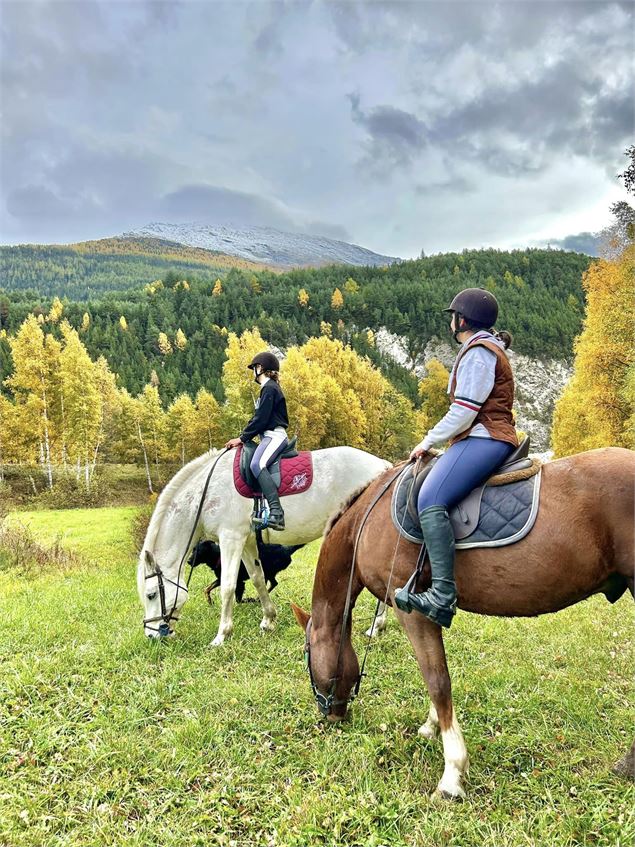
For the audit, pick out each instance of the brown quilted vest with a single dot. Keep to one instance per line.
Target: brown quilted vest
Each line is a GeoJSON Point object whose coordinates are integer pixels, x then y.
{"type": "Point", "coordinates": [496, 412]}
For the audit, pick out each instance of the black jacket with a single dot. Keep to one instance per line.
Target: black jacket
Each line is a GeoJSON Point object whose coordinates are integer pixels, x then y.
{"type": "Point", "coordinates": [271, 411]}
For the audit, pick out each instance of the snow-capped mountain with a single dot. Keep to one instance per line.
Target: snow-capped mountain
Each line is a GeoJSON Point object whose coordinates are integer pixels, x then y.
{"type": "Point", "coordinates": [262, 244]}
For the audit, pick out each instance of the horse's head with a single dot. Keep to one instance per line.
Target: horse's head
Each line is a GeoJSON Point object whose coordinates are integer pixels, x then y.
{"type": "Point", "coordinates": [334, 672]}
{"type": "Point", "coordinates": [162, 593]}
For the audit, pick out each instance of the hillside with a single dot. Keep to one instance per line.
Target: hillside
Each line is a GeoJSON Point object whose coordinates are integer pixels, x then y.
{"type": "Point", "coordinates": [264, 244]}
{"type": "Point", "coordinates": [88, 269]}
{"type": "Point", "coordinates": [539, 291]}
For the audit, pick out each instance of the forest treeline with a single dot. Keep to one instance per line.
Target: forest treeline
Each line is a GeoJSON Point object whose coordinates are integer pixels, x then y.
{"type": "Point", "coordinates": [177, 326]}
{"type": "Point", "coordinates": [68, 412]}
{"type": "Point", "coordinates": [88, 269]}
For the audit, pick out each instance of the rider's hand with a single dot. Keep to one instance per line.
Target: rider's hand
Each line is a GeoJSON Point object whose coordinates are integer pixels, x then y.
{"type": "Point", "coordinates": [419, 452]}
{"type": "Point", "coordinates": [233, 442]}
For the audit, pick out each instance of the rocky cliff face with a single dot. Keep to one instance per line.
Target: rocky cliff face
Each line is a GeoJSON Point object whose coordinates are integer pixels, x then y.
{"type": "Point", "coordinates": [539, 382]}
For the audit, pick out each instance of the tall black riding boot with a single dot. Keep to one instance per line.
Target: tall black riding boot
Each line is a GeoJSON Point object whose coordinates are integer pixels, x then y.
{"type": "Point", "coordinates": [268, 488]}
{"type": "Point", "coordinates": [438, 603]}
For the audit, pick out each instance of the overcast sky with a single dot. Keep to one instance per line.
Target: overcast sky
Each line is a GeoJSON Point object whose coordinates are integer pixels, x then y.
{"type": "Point", "coordinates": [398, 126]}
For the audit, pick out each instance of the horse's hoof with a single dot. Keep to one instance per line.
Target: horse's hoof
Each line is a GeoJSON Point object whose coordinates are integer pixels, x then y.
{"type": "Point", "coordinates": [442, 795]}
{"type": "Point", "coordinates": [428, 731]}
{"type": "Point", "coordinates": [267, 625]}
{"type": "Point", "coordinates": [218, 641]}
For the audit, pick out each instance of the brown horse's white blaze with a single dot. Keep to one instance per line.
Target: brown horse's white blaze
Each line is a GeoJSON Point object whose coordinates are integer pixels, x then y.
{"type": "Point", "coordinates": [582, 544]}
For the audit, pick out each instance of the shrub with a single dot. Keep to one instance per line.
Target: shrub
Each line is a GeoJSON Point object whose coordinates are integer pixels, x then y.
{"type": "Point", "coordinates": [21, 552]}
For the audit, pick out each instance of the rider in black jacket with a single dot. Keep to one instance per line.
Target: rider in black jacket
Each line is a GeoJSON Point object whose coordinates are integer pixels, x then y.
{"type": "Point", "coordinates": [269, 422]}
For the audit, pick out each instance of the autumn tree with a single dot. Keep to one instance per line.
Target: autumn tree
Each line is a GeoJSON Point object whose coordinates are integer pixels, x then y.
{"type": "Point", "coordinates": [596, 407]}
{"type": "Point", "coordinates": [433, 390]}
{"type": "Point", "coordinates": [33, 385]}
{"type": "Point", "coordinates": [81, 402]}
{"type": "Point", "coordinates": [240, 389]}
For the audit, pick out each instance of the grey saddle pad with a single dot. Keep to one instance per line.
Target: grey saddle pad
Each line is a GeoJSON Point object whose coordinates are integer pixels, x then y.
{"type": "Point", "coordinates": [507, 513]}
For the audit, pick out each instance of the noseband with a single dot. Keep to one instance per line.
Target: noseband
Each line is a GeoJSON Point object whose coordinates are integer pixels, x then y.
{"type": "Point", "coordinates": [166, 616]}
{"type": "Point", "coordinates": [325, 702]}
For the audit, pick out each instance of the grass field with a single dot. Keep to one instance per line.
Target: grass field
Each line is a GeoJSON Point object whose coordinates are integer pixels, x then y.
{"type": "Point", "coordinates": [109, 739]}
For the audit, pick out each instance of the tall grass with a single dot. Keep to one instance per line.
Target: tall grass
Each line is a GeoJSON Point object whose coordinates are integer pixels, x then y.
{"type": "Point", "coordinates": [110, 739]}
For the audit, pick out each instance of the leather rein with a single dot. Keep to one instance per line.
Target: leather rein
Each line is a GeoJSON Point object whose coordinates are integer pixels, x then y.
{"type": "Point", "coordinates": [325, 702]}
{"type": "Point", "coordinates": [165, 616]}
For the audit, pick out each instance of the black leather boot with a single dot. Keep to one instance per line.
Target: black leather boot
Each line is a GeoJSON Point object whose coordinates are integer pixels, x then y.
{"type": "Point", "coordinates": [268, 488]}
{"type": "Point", "coordinates": [438, 603]}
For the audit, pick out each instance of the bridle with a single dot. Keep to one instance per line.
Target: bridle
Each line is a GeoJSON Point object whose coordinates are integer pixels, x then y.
{"type": "Point", "coordinates": [168, 616]}
{"type": "Point", "coordinates": [325, 702]}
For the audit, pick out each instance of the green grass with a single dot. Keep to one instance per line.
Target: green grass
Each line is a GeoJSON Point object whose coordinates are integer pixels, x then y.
{"type": "Point", "coordinates": [109, 739]}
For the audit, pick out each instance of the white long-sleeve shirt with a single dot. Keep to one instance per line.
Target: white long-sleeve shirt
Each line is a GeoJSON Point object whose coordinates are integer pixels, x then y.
{"type": "Point", "coordinates": [474, 382]}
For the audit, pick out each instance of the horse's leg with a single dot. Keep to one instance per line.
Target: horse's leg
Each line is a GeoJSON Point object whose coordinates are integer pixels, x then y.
{"type": "Point", "coordinates": [427, 641]}
{"type": "Point", "coordinates": [231, 548]}
{"type": "Point", "coordinates": [379, 623]}
{"type": "Point", "coordinates": [257, 576]}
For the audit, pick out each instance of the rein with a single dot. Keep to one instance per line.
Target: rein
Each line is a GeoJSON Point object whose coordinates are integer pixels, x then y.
{"type": "Point", "coordinates": [325, 702]}
{"type": "Point", "coordinates": [161, 578]}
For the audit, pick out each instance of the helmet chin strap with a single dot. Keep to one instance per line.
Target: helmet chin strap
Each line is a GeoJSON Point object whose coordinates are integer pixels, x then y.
{"type": "Point", "coordinates": [257, 373]}
{"type": "Point", "coordinates": [457, 323]}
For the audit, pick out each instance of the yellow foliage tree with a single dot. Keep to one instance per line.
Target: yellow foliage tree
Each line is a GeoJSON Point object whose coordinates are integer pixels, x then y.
{"type": "Point", "coordinates": [208, 427]}
{"type": "Point", "coordinates": [180, 340]}
{"type": "Point", "coordinates": [123, 323]}
{"type": "Point", "coordinates": [337, 301]}
{"type": "Point", "coordinates": [218, 288]}
{"type": "Point", "coordinates": [596, 407]}
{"type": "Point", "coordinates": [433, 390]}
{"type": "Point", "coordinates": [180, 427]}
{"type": "Point", "coordinates": [351, 286]}
{"type": "Point", "coordinates": [55, 313]}
{"type": "Point", "coordinates": [240, 390]}
{"type": "Point", "coordinates": [85, 321]}
{"type": "Point", "coordinates": [163, 343]}
{"type": "Point", "coordinates": [303, 297]}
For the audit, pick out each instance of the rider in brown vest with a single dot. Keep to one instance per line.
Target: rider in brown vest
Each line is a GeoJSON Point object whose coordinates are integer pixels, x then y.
{"type": "Point", "coordinates": [480, 428]}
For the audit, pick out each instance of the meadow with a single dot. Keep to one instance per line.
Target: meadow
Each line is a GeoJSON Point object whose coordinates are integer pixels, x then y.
{"type": "Point", "coordinates": [107, 738]}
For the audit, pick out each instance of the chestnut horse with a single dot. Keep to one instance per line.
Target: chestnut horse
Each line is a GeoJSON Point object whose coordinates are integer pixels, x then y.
{"type": "Point", "coordinates": [581, 544]}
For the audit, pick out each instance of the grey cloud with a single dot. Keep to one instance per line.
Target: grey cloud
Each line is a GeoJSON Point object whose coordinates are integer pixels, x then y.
{"type": "Point", "coordinates": [395, 135]}
{"type": "Point", "coordinates": [583, 242]}
{"type": "Point", "coordinates": [214, 205]}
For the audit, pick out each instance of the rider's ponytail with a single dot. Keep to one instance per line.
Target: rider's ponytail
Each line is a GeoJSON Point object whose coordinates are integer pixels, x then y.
{"type": "Point", "coordinates": [274, 375]}
{"type": "Point", "coordinates": [504, 336]}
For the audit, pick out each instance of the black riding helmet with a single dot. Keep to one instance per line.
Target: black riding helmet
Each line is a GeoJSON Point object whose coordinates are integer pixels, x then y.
{"type": "Point", "coordinates": [476, 305]}
{"type": "Point", "coordinates": [266, 360]}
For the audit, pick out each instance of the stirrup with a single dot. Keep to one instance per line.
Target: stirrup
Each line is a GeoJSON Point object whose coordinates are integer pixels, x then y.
{"type": "Point", "coordinates": [441, 615]}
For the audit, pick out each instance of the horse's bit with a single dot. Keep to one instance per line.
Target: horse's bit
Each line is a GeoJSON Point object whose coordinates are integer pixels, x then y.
{"type": "Point", "coordinates": [164, 628]}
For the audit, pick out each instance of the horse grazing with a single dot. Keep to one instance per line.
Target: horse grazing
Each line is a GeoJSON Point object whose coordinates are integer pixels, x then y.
{"type": "Point", "coordinates": [581, 544]}
{"type": "Point", "coordinates": [180, 519]}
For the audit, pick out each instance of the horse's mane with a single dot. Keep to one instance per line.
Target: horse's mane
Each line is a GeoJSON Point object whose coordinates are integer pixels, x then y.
{"type": "Point", "coordinates": [345, 506]}
{"type": "Point", "coordinates": [174, 485]}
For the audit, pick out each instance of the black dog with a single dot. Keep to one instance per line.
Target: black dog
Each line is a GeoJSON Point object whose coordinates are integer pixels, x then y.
{"type": "Point", "coordinates": [273, 559]}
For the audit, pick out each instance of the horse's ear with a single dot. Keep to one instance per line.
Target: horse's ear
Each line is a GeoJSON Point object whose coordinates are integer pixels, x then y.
{"type": "Point", "coordinates": [150, 560]}
{"type": "Point", "coordinates": [301, 616]}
